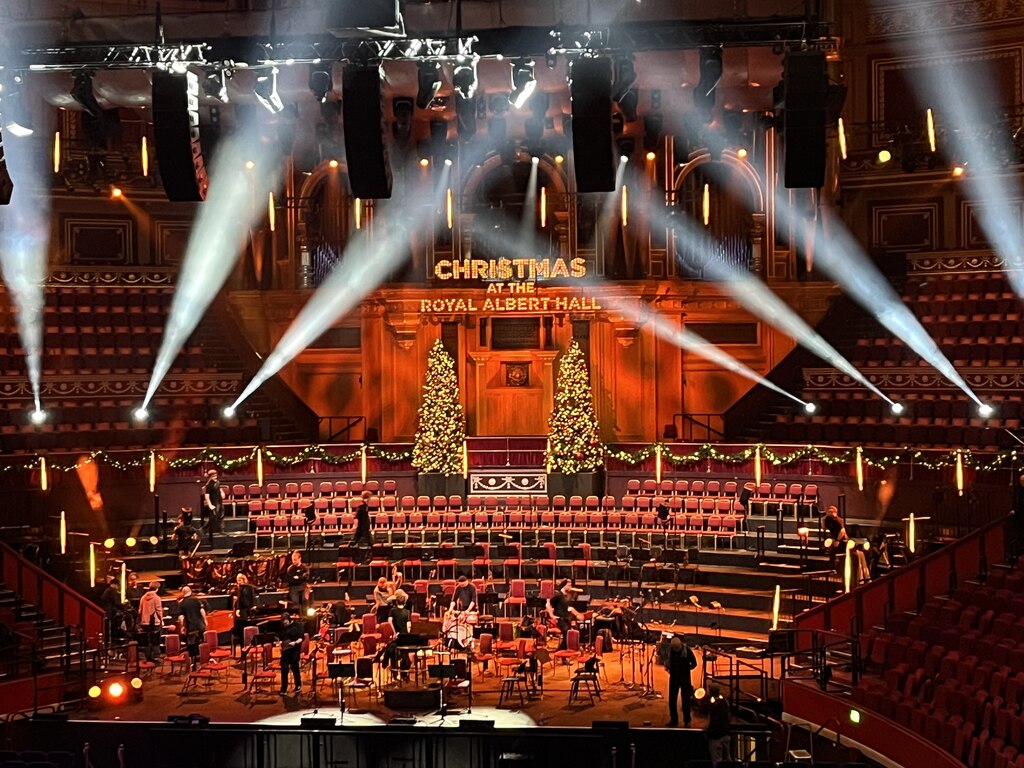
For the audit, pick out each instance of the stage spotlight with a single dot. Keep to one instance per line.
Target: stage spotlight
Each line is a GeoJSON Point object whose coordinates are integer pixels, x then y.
{"type": "Point", "coordinates": [154, 540]}
{"type": "Point", "coordinates": [333, 164]}
{"type": "Point", "coordinates": [897, 409]}
{"type": "Point", "coordinates": [625, 76]}
{"type": "Point", "coordinates": [108, 543]}
{"type": "Point", "coordinates": [17, 119]}
{"type": "Point", "coordinates": [424, 162]}
{"type": "Point", "coordinates": [699, 693]}
{"type": "Point", "coordinates": [855, 716]}
{"type": "Point", "coordinates": [82, 92]}
{"type": "Point", "coordinates": [741, 153]}
{"type": "Point", "coordinates": [116, 193]}
{"type": "Point", "coordinates": [958, 171]}
{"type": "Point", "coordinates": [524, 82]}
{"type": "Point", "coordinates": [986, 411]}
{"type": "Point", "coordinates": [266, 91]}
{"type": "Point", "coordinates": [710, 74]}
{"type": "Point", "coordinates": [559, 159]}
{"type": "Point", "coordinates": [215, 85]}
{"type": "Point", "coordinates": [249, 165]}
{"type": "Point", "coordinates": [136, 683]}
{"type": "Point", "coordinates": [884, 156]}
{"type": "Point", "coordinates": [810, 407]}
{"type": "Point", "coordinates": [95, 691]}
{"type": "Point", "coordinates": [38, 416]}
{"type": "Point", "coordinates": [464, 80]}
{"type": "Point", "coordinates": [320, 82]}
{"type": "Point", "coordinates": [447, 162]}
{"type": "Point", "coordinates": [140, 414]}
{"type": "Point", "coordinates": [429, 78]}
{"type": "Point", "coordinates": [228, 412]}
{"type": "Point", "coordinates": [130, 542]}
{"type": "Point", "coordinates": [650, 156]}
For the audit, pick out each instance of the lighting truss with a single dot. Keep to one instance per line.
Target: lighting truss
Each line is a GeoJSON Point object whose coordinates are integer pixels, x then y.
{"type": "Point", "coordinates": [117, 56]}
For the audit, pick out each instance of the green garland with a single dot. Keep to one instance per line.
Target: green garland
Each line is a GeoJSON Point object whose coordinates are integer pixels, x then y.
{"type": "Point", "coordinates": [706, 452]}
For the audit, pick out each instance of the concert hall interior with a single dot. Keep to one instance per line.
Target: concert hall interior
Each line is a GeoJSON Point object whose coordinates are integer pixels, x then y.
{"type": "Point", "coordinates": [457, 383]}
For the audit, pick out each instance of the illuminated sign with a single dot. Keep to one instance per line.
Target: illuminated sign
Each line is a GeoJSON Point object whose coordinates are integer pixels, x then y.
{"type": "Point", "coordinates": [515, 270]}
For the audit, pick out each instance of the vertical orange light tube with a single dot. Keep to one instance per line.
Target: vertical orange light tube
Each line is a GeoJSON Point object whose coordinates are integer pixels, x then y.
{"type": "Point", "coordinates": [959, 474]}
{"type": "Point", "coordinates": [625, 205]}
{"type": "Point", "coordinates": [448, 208]}
{"type": "Point", "coordinates": [930, 119]}
{"type": "Point", "coordinates": [44, 480]}
{"type": "Point", "coordinates": [145, 156]}
{"type": "Point", "coordinates": [362, 464]}
{"type": "Point", "coordinates": [842, 139]}
{"type": "Point", "coordinates": [465, 460]}
{"type": "Point", "coordinates": [56, 152]}
{"type": "Point", "coordinates": [259, 466]}
{"type": "Point", "coordinates": [757, 465]}
{"type": "Point", "coordinates": [152, 471]}
{"type": "Point", "coordinates": [63, 533]}
{"type": "Point", "coordinates": [848, 566]}
{"type": "Point", "coordinates": [92, 564]}
{"type": "Point", "coordinates": [358, 212]}
{"type": "Point", "coordinates": [911, 534]}
{"type": "Point", "coordinates": [124, 582]}
{"type": "Point", "coordinates": [860, 468]}
{"type": "Point", "coordinates": [543, 207]}
{"type": "Point", "coordinates": [705, 205]}
{"type": "Point", "coordinates": [271, 212]}
{"type": "Point", "coordinates": [657, 463]}
{"type": "Point", "coordinates": [775, 606]}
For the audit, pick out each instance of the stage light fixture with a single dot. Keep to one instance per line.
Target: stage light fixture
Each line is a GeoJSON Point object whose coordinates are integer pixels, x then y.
{"type": "Point", "coordinates": [741, 153]}
{"type": "Point", "coordinates": [333, 164]}
{"type": "Point", "coordinates": [464, 80]}
{"type": "Point", "coordinates": [266, 91]}
{"type": "Point", "coordinates": [625, 76]}
{"type": "Point", "coordinates": [897, 409]}
{"type": "Point", "coordinates": [108, 543]}
{"type": "Point", "coordinates": [38, 416]}
{"type": "Point", "coordinates": [249, 165]}
{"type": "Point", "coordinates": [429, 79]}
{"type": "Point", "coordinates": [140, 414]}
{"type": "Point", "coordinates": [958, 171]}
{"type": "Point", "coordinates": [855, 716]}
{"type": "Point", "coordinates": [320, 82]}
{"type": "Point", "coordinates": [559, 159]}
{"type": "Point", "coordinates": [810, 407]}
{"type": "Point", "coordinates": [215, 85]}
{"type": "Point", "coordinates": [130, 542]}
{"type": "Point", "coordinates": [986, 411]}
{"type": "Point", "coordinates": [710, 74]}
{"type": "Point", "coordinates": [18, 120]}
{"type": "Point", "coordinates": [424, 162]}
{"type": "Point", "coordinates": [116, 192]}
{"type": "Point", "coordinates": [228, 412]}
{"type": "Point", "coordinates": [95, 691]}
{"type": "Point", "coordinates": [82, 92]}
{"type": "Point", "coordinates": [650, 156]}
{"type": "Point", "coordinates": [884, 156]}
{"type": "Point", "coordinates": [524, 82]}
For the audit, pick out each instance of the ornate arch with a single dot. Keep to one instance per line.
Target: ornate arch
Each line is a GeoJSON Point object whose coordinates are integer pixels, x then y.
{"type": "Point", "coordinates": [318, 175]}
{"type": "Point", "coordinates": [476, 175]}
{"type": "Point", "coordinates": [736, 163]}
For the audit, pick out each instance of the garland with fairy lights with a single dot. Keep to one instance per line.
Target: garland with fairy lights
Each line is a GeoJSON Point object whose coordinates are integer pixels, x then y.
{"type": "Point", "coordinates": [209, 457]}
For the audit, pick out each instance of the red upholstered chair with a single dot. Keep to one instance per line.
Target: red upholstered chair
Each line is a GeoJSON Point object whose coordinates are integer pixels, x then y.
{"type": "Point", "coordinates": [571, 652]}
{"type": "Point", "coordinates": [516, 595]}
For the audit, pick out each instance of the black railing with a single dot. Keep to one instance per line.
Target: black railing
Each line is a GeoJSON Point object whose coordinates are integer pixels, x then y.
{"type": "Point", "coordinates": [339, 429]}
{"type": "Point", "coordinates": [696, 427]}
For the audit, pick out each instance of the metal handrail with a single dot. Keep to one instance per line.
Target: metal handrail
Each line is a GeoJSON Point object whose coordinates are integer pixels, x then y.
{"type": "Point", "coordinates": [345, 432]}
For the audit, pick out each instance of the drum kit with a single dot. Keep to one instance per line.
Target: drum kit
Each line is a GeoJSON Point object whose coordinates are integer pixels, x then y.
{"type": "Point", "coordinates": [457, 629]}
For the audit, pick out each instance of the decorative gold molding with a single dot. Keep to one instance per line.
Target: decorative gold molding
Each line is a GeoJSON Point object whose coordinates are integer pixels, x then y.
{"type": "Point", "coordinates": [942, 14]}
{"type": "Point", "coordinates": [915, 378]}
{"type": "Point", "coordinates": [93, 385]}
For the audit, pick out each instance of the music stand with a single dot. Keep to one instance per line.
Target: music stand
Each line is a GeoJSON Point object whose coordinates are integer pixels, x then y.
{"type": "Point", "coordinates": [339, 671]}
{"type": "Point", "coordinates": [442, 672]}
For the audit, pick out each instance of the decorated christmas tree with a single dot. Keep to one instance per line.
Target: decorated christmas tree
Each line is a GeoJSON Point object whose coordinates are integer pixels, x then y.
{"type": "Point", "coordinates": [442, 429]}
{"type": "Point", "coordinates": [574, 444]}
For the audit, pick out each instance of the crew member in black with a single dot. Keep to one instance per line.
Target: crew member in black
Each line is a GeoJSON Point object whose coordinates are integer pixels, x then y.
{"type": "Point", "coordinates": [364, 526]}
{"type": "Point", "coordinates": [836, 531]}
{"type": "Point", "coordinates": [465, 595]}
{"type": "Point", "coordinates": [185, 535]}
{"type": "Point", "coordinates": [681, 662]}
{"type": "Point", "coordinates": [291, 636]}
{"type": "Point", "coordinates": [110, 600]}
{"type": "Point", "coordinates": [400, 616]}
{"type": "Point", "coordinates": [296, 576]}
{"type": "Point", "coordinates": [558, 608]}
{"type": "Point", "coordinates": [214, 501]}
{"type": "Point", "coordinates": [718, 727]}
{"type": "Point", "coordinates": [193, 623]}
{"type": "Point", "coordinates": [243, 603]}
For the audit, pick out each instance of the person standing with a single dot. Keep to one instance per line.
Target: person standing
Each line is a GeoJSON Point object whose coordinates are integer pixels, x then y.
{"type": "Point", "coordinates": [364, 525]}
{"type": "Point", "coordinates": [835, 532]}
{"type": "Point", "coordinates": [558, 608]}
{"type": "Point", "coordinates": [383, 597]}
{"type": "Point", "coordinates": [296, 577]}
{"type": "Point", "coordinates": [242, 605]}
{"type": "Point", "coordinates": [718, 727]}
{"type": "Point", "coordinates": [151, 620]}
{"type": "Point", "coordinates": [465, 596]}
{"type": "Point", "coordinates": [681, 662]}
{"type": "Point", "coordinates": [192, 623]}
{"type": "Point", "coordinates": [185, 535]}
{"type": "Point", "coordinates": [291, 636]}
{"type": "Point", "coordinates": [400, 616]}
{"type": "Point", "coordinates": [213, 499]}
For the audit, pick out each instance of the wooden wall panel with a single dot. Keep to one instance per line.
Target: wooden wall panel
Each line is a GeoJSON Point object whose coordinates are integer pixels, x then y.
{"type": "Point", "coordinates": [905, 227]}
{"type": "Point", "coordinates": [100, 240]}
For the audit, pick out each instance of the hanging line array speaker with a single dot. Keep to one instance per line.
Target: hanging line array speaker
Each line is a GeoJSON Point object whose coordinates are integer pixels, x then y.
{"type": "Point", "coordinates": [805, 93]}
{"type": "Point", "coordinates": [179, 152]}
{"type": "Point", "coordinates": [590, 88]}
{"type": "Point", "coordinates": [362, 107]}
{"type": "Point", "coordinates": [6, 183]}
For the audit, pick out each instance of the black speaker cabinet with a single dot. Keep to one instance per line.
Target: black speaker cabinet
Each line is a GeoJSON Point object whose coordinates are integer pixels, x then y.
{"type": "Point", "coordinates": [362, 107]}
{"type": "Point", "coordinates": [412, 699]}
{"type": "Point", "coordinates": [6, 184]}
{"type": "Point", "coordinates": [176, 130]}
{"type": "Point", "coordinates": [345, 15]}
{"type": "Point", "coordinates": [805, 92]}
{"type": "Point", "coordinates": [592, 144]}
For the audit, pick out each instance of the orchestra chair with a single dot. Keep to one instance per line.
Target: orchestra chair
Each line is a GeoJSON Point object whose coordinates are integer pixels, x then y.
{"type": "Point", "coordinates": [248, 635]}
{"type": "Point", "coordinates": [203, 674]}
{"type": "Point", "coordinates": [571, 652]}
{"type": "Point", "coordinates": [484, 652]}
{"type": "Point", "coordinates": [512, 684]}
{"type": "Point", "coordinates": [370, 630]}
{"type": "Point", "coordinates": [482, 561]}
{"type": "Point", "coordinates": [136, 664]}
{"type": "Point", "coordinates": [549, 561]}
{"type": "Point", "coordinates": [363, 680]}
{"type": "Point", "coordinates": [514, 563]}
{"type": "Point", "coordinates": [516, 596]}
{"type": "Point", "coordinates": [582, 562]}
{"type": "Point", "coordinates": [380, 558]}
{"type": "Point", "coordinates": [216, 653]}
{"type": "Point", "coordinates": [345, 562]}
{"type": "Point", "coordinates": [446, 560]}
{"type": "Point", "coordinates": [174, 654]}
{"type": "Point", "coordinates": [582, 679]}
{"type": "Point", "coordinates": [265, 675]}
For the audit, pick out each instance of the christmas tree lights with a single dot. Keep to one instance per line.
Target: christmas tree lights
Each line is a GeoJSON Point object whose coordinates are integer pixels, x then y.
{"type": "Point", "coordinates": [574, 444]}
{"type": "Point", "coordinates": [442, 429]}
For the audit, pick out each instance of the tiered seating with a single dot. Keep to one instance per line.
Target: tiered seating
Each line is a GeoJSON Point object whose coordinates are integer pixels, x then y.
{"type": "Point", "coordinates": [97, 335]}
{"type": "Point", "coordinates": [976, 323]}
{"type": "Point", "coordinates": [955, 672]}
{"type": "Point", "coordinates": [708, 511]}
